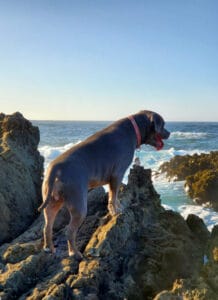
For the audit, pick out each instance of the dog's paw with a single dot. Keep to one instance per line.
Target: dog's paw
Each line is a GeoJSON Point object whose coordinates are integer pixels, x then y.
{"type": "Point", "coordinates": [48, 250]}
{"type": "Point", "coordinates": [77, 255]}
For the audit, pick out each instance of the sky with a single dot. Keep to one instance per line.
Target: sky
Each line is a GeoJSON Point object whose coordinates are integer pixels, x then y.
{"type": "Point", "coordinates": [105, 59]}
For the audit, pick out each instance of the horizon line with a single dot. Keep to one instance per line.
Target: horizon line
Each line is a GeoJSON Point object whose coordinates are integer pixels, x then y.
{"type": "Point", "coordinates": [79, 120]}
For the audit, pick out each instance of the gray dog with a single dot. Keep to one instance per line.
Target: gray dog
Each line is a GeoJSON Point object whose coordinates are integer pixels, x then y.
{"type": "Point", "coordinates": [100, 159]}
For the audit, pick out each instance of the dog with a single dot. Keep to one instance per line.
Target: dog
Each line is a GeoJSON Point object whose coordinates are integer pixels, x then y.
{"type": "Point", "coordinates": [100, 159]}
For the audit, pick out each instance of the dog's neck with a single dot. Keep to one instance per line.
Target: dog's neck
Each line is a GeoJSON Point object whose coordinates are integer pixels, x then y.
{"type": "Point", "coordinates": [137, 131]}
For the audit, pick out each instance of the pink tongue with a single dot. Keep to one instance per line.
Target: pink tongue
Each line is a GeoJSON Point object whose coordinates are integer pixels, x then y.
{"type": "Point", "coordinates": [159, 141]}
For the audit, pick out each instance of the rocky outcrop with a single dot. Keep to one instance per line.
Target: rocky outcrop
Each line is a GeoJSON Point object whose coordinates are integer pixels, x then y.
{"type": "Point", "coordinates": [133, 255]}
{"type": "Point", "coordinates": [200, 173]}
{"type": "Point", "coordinates": [202, 285]}
{"type": "Point", "coordinates": [21, 169]}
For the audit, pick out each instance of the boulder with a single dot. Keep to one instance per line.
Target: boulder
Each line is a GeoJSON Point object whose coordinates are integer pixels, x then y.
{"type": "Point", "coordinates": [198, 227]}
{"type": "Point", "coordinates": [203, 187]}
{"type": "Point", "coordinates": [179, 167]}
{"type": "Point", "coordinates": [200, 173]}
{"type": "Point", "coordinates": [21, 170]}
{"type": "Point", "coordinates": [134, 255]}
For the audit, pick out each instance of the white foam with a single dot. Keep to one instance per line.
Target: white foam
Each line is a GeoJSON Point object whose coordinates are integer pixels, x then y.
{"type": "Point", "coordinates": [173, 152]}
{"type": "Point", "coordinates": [167, 207]}
{"type": "Point", "coordinates": [154, 159]}
{"type": "Point", "coordinates": [209, 216]}
{"type": "Point", "coordinates": [188, 135]}
{"type": "Point", "coordinates": [51, 153]}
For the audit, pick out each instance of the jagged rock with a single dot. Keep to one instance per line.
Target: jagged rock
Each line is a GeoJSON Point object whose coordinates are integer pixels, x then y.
{"type": "Point", "coordinates": [200, 173]}
{"type": "Point", "coordinates": [203, 187]}
{"type": "Point", "coordinates": [198, 227]}
{"type": "Point", "coordinates": [21, 169]}
{"type": "Point", "coordinates": [133, 255]}
{"type": "Point", "coordinates": [202, 285]}
{"type": "Point", "coordinates": [182, 166]}
{"type": "Point", "coordinates": [188, 289]}
{"type": "Point", "coordinates": [213, 245]}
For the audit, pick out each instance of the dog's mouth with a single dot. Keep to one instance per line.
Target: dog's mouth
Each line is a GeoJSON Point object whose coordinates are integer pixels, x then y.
{"type": "Point", "coordinates": [159, 141]}
{"type": "Point", "coordinates": [156, 140]}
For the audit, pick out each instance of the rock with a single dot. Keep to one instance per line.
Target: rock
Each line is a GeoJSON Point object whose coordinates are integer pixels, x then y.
{"type": "Point", "coordinates": [188, 289]}
{"type": "Point", "coordinates": [198, 227]}
{"type": "Point", "coordinates": [213, 245]}
{"type": "Point", "coordinates": [183, 166]}
{"type": "Point", "coordinates": [200, 173]}
{"type": "Point", "coordinates": [21, 169]}
{"type": "Point", "coordinates": [203, 187]}
{"type": "Point", "coordinates": [202, 285]}
{"type": "Point", "coordinates": [134, 255]}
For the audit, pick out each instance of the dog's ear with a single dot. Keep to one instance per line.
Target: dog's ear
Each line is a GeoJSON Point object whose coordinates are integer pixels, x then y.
{"type": "Point", "coordinates": [158, 122]}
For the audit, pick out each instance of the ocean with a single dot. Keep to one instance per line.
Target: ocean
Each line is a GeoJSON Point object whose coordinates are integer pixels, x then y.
{"type": "Point", "coordinates": [186, 138]}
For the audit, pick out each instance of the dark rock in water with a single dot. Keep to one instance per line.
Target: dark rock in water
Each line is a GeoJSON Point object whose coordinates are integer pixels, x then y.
{"type": "Point", "coordinates": [133, 255]}
{"type": "Point", "coordinates": [200, 173]}
{"type": "Point", "coordinates": [198, 227]}
{"type": "Point", "coordinates": [21, 169]}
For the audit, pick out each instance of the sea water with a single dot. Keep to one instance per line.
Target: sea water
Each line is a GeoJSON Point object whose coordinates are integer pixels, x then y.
{"type": "Point", "coordinates": [186, 138]}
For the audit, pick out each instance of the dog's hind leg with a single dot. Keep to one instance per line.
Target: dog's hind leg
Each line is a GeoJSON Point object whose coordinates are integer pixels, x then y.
{"type": "Point", "coordinates": [113, 203]}
{"type": "Point", "coordinates": [50, 212]}
{"type": "Point", "coordinates": [76, 219]}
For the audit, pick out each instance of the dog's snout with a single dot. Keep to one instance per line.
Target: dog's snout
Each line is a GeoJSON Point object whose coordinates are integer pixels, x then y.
{"type": "Point", "coordinates": [165, 134]}
{"type": "Point", "coordinates": [168, 134]}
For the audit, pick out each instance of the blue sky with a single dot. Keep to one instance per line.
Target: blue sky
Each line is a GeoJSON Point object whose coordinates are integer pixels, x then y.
{"type": "Point", "coordinates": [102, 60]}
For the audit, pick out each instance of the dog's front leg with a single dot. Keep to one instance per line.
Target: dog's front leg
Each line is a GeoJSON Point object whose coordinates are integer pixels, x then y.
{"type": "Point", "coordinates": [113, 202]}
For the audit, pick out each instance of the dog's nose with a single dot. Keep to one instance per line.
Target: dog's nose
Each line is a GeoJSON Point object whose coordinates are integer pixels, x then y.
{"type": "Point", "coordinates": [166, 134]}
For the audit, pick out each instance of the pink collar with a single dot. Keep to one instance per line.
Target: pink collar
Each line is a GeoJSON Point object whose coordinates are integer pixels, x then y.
{"type": "Point", "coordinates": [137, 131]}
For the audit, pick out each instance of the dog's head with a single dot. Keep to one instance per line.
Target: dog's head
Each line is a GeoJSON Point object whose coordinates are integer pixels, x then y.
{"type": "Point", "coordinates": [157, 131]}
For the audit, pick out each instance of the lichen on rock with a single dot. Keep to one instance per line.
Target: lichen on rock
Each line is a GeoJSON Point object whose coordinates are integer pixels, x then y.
{"type": "Point", "coordinates": [200, 172]}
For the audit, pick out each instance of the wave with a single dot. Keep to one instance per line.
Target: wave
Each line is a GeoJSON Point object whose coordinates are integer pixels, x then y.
{"type": "Point", "coordinates": [173, 152]}
{"type": "Point", "coordinates": [209, 216]}
{"type": "Point", "coordinates": [51, 152]}
{"type": "Point", "coordinates": [149, 159]}
{"type": "Point", "coordinates": [154, 159]}
{"type": "Point", "coordinates": [188, 135]}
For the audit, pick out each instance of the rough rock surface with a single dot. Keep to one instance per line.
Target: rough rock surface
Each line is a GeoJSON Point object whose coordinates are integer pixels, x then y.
{"type": "Point", "coordinates": [134, 255]}
{"type": "Point", "coordinates": [202, 285]}
{"type": "Point", "coordinates": [21, 168]}
{"type": "Point", "coordinates": [200, 173]}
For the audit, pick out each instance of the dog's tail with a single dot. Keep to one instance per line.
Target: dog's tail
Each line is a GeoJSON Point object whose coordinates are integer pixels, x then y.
{"type": "Point", "coordinates": [49, 182]}
{"type": "Point", "coordinates": [45, 203]}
